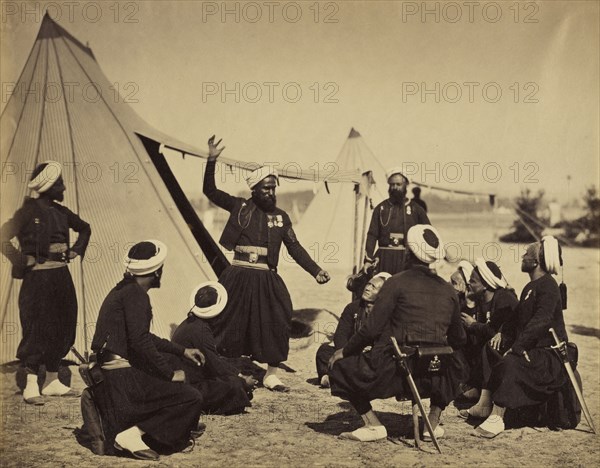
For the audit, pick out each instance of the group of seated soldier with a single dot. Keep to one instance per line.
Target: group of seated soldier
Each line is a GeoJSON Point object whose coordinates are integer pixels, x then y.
{"type": "Point", "coordinates": [500, 345]}
{"type": "Point", "coordinates": [154, 390]}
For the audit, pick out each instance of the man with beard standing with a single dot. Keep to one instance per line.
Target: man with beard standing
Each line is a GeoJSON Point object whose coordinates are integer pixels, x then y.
{"type": "Point", "coordinates": [257, 319]}
{"type": "Point", "coordinates": [391, 220]}
{"type": "Point", "coordinates": [47, 300]}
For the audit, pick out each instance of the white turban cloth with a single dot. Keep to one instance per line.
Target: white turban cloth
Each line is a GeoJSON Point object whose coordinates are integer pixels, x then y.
{"type": "Point", "coordinates": [259, 174]}
{"type": "Point", "coordinates": [140, 267]}
{"type": "Point", "coordinates": [393, 171]}
{"type": "Point", "coordinates": [488, 276]}
{"type": "Point", "coordinates": [46, 179]}
{"type": "Point", "coordinates": [425, 243]}
{"type": "Point", "coordinates": [212, 310]}
{"type": "Point", "coordinates": [552, 257]}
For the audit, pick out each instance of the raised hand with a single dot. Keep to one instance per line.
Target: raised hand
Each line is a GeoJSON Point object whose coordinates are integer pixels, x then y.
{"type": "Point", "coordinates": [213, 150]}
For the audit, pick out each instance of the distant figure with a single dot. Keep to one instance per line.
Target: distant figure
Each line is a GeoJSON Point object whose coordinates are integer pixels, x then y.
{"type": "Point", "coordinates": [417, 198]}
{"type": "Point", "coordinates": [257, 319]}
{"type": "Point", "coordinates": [47, 300]}
{"type": "Point", "coordinates": [390, 222]}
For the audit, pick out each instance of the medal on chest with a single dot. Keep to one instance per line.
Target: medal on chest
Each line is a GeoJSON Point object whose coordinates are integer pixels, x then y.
{"type": "Point", "coordinates": [274, 221]}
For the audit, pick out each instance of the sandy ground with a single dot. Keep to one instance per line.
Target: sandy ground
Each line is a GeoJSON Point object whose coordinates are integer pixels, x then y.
{"type": "Point", "coordinates": [301, 428]}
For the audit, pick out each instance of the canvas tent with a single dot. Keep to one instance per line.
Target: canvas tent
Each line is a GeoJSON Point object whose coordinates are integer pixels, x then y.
{"type": "Point", "coordinates": [63, 109]}
{"type": "Point", "coordinates": [334, 225]}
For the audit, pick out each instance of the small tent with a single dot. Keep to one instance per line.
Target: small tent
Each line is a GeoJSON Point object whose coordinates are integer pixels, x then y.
{"type": "Point", "coordinates": [334, 225]}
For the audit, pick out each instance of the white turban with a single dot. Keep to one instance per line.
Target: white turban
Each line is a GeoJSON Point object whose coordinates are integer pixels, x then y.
{"type": "Point", "coordinates": [212, 310]}
{"type": "Point", "coordinates": [383, 275]}
{"type": "Point", "coordinates": [466, 268]}
{"type": "Point", "coordinates": [393, 171]}
{"type": "Point", "coordinates": [493, 279]}
{"type": "Point", "coordinates": [552, 258]}
{"type": "Point", "coordinates": [259, 174]}
{"type": "Point", "coordinates": [140, 267]}
{"type": "Point", "coordinates": [425, 243]}
{"type": "Point", "coordinates": [46, 178]}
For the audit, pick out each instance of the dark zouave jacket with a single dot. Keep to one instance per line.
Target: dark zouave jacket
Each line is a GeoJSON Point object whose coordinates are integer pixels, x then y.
{"type": "Point", "coordinates": [540, 308]}
{"type": "Point", "coordinates": [36, 226]}
{"type": "Point", "coordinates": [249, 225]}
{"type": "Point", "coordinates": [123, 328]}
{"type": "Point", "coordinates": [418, 308]}
{"type": "Point", "coordinates": [496, 316]}
{"type": "Point", "coordinates": [389, 224]}
{"type": "Point", "coordinates": [194, 332]}
{"type": "Point", "coordinates": [351, 320]}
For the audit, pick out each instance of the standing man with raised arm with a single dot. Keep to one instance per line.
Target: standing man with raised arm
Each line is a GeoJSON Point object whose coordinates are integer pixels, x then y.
{"type": "Point", "coordinates": [47, 300]}
{"type": "Point", "coordinates": [257, 319]}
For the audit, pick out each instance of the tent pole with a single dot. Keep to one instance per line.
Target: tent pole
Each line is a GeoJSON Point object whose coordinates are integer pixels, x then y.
{"type": "Point", "coordinates": [364, 229]}
{"type": "Point", "coordinates": [355, 234]}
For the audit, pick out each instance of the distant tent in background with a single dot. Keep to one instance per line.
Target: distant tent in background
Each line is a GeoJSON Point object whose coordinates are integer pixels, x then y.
{"type": "Point", "coordinates": [326, 227]}
{"type": "Point", "coordinates": [64, 109]}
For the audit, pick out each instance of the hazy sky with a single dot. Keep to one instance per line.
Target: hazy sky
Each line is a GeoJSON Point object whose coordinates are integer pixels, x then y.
{"type": "Point", "coordinates": [491, 96]}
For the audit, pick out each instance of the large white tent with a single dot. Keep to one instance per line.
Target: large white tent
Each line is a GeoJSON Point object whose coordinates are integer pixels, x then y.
{"type": "Point", "coordinates": [63, 108]}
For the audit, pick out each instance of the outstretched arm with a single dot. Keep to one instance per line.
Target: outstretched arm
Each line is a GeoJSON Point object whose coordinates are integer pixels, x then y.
{"type": "Point", "coordinates": [218, 197]}
{"type": "Point", "coordinates": [301, 256]}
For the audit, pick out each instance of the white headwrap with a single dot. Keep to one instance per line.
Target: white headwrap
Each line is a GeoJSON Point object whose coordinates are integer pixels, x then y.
{"type": "Point", "coordinates": [552, 259]}
{"type": "Point", "coordinates": [393, 171]}
{"type": "Point", "coordinates": [143, 267]}
{"type": "Point", "coordinates": [383, 275]}
{"type": "Point", "coordinates": [213, 310]}
{"type": "Point", "coordinates": [422, 240]}
{"type": "Point", "coordinates": [466, 268]}
{"type": "Point", "coordinates": [488, 276]}
{"type": "Point", "coordinates": [259, 174]}
{"type": "Point", "coordinates": [46, 179]}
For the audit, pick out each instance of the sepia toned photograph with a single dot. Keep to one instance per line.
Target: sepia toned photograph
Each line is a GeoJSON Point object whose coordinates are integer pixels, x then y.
{"type": "Point", "coordinates": [299, 233]}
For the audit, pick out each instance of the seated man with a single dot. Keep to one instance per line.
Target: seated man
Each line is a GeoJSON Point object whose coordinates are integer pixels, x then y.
{"type": "Point", "coordinates": [488, 335]}
{"type": "Point", "coordinates": [142, 392]}
{"type": "Point", "coordinates": [350, 322]}
{"type": "Point", "coordinates": [530, 372]}
{"type": "Point", "coordinates": [420, 309]}
{"type": "Point", "coordinates": [224, 391]}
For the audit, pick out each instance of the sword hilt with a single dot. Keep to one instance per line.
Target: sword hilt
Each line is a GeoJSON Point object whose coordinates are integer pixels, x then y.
{"type": "Point", "coordinates": [560, 347]}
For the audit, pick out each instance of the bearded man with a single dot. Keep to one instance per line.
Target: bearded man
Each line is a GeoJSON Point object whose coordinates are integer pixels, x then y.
{"type": "Point", "coordinates": [390, 222]}
{"type": "Point", "coordinates": [531, 372]}
{"type": "Point", "coordinates": [256, 321]}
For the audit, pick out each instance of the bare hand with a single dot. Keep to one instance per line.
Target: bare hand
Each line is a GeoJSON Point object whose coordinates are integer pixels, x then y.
{"type": "Point", "coordinates": [30, 261]}
{"type": "Point", "coordinates": [339, 354]}
{"type": "Point", "coordinates": [213, 151]}
{"type": "Point", "coordinates": [178, 376]}
{"type": "Point", "coordinates": [496, 341]}
{"type": "Point", "coordinates": [72, 254]}
{"type": "Point", "coordinates": [322, 277]}
{"type": "Point", "coordinates": [467, 319]}
{"type": "Point", "coordinates": [250, 381]}
{"type": "Point", "coordinates": [194, 355]}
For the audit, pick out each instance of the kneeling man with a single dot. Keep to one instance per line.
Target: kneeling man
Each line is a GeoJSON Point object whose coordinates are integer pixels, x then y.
{"type": "Point", "coordinates": [144, 395]}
